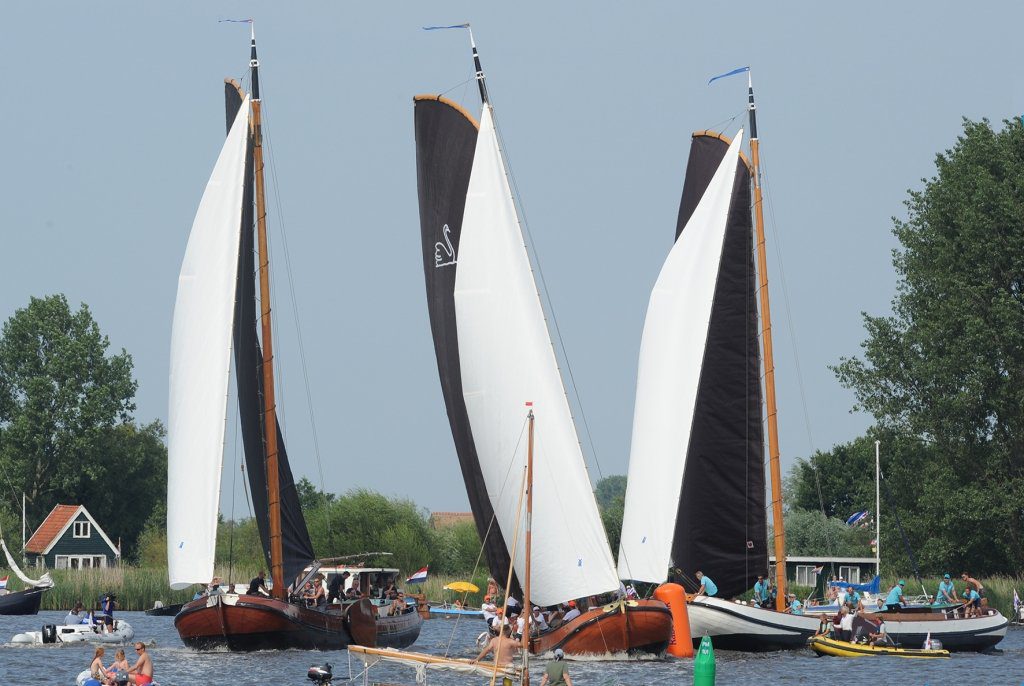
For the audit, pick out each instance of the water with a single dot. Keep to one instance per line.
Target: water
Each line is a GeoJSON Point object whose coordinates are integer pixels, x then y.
{"type": "Point", "coordinates": [179, 666]}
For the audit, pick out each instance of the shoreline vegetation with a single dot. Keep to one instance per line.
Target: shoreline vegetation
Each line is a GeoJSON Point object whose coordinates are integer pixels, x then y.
{"type": "Point", "coordinates": [138, 588]}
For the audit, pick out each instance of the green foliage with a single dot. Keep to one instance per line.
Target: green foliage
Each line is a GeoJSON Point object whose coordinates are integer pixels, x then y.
{"type": "Point", "coordinates": [611, 501]}
{"type": "Point", "coordinates": [310, 497]}
{"type": "Point", "coordinates": [809, 532]}
{"type": "Point", "coordinates": [947, 368]}
{"type": "Point", "coordinates": [66, 433]}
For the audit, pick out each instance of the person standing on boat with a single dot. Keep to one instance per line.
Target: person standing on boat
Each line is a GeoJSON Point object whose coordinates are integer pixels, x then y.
{"type": "Point", "coordinates": [258, 585]}
{"type": "Point", "coordinates": [971, 581]}
{"type": "Point", "coordinates": [707, 586]}
{"type": "Point", "coordinates": [556, 673]}
{"type": "Point", "coordinates": [947, 592]}
{"type": "Point", "coordinates": [335, 588]}
{"type": "Point", "coordinates": [852, 598]}
{"type": "Point", "coordinates": [972, 602]}
{"type": "Point", "coordinates": [894, 601]}
{"type": "Point", "coordinates": [761, 591]}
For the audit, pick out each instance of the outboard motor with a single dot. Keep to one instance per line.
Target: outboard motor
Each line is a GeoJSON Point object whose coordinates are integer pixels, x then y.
{"type": "Point", "coordinates": [49, 633]}
{"type": "Point", "coordinates": [321, 676]}
{"type": "Point", "coordinates": [121, 678]}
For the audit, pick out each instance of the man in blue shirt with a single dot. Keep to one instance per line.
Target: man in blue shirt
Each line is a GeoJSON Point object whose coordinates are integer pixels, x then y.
{"type": "Point", "coordinates": [852, 598]}
{"type": "Point", "coordinates": [972, 600]}
{"type": "Point", "coordinates": [947, 592]}
{"type": "Point", "coordinates": [707, 586]}
{"type": "Point", "coordinates": [893, 601]}
{"type": "Point", "coordinates": [760, 591]}
{"type": "Point", "coordinates": [794, 605]}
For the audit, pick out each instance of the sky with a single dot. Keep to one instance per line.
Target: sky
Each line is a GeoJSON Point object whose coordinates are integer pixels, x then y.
{"type": "Point", "coordinates": [112, 118]}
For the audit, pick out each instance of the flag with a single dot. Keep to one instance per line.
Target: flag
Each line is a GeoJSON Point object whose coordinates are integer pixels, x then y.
{"type": "Point", "coordinates": [740, 70]}
{"type": "Point", "coordinates": [928, 641]}
{"type": "Point", "coordinates": [1016, 600]}
{"type": "Point", "coordinates": [856, 517]}
{"type": "Point", "coordinates": [419, 577]}
{"type": "Point", "coordinates": [3, 582]}
{"type": "Point", "coordinates": [819, 569]}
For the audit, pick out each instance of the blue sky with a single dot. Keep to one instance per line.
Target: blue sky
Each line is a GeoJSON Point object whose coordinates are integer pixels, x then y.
{"type": "Point", "coordinates": [112, 117]}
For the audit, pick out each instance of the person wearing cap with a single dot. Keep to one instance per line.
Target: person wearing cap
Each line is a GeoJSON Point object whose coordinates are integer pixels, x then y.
{"type": "Point", "coordinates": [947, 592]}
{"type": "Point", "coordinates": [795, 606]}
{"type": "Point", "coordinates": [707, 586]}
{"type": "Point", "coordinates": [556, 673]}
{"type": "Point", "coordinates": [538, 622]}
{"type": "Point", "coordinates": [894, 601]}
{"type": "Point", "coordinates": [572, 613]}
{"type": "Point", "coordinates": [760, 591]}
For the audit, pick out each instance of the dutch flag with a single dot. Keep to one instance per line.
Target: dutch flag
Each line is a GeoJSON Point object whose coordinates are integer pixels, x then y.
{"type": "Point", "coordinates": [856, 518]}
{"type": "Point", "coordinates": [3, 581]}
{"type": "Point", "coordinates": [419, 577]}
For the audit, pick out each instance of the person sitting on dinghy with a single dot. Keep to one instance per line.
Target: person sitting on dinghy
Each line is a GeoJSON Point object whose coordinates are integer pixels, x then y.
{"type": "Point", "coordinates": [142, 671]}
{"type": "Point", "coordinates": [97, 672]}
{"type": "Point", "coordinates": [120, 664]}
{"type": "Point", "coordinates": [76, 614]}
{"type": "Point", "coordinates": [893, 601]}
{"type": "Point", "coordinates": [707, 586]}
{"type": "Point", "coordinates": [880, 638]}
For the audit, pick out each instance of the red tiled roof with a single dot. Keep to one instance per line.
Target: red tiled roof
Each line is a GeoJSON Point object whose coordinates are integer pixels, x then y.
{"type": "Point", "coordinates": [58, 518]}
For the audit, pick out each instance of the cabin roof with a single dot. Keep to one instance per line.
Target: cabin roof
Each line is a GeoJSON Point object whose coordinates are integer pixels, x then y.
{"type": "Point", "coordinates": [56, 524]}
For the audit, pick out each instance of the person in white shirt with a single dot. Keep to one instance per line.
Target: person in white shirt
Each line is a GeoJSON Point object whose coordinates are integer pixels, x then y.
{"type": "Point", "coordinates": [572, 614]}
{"type": "Point", "coordinates": [489, 610]}
{"type": "Point", "coordinates": [538, 620]}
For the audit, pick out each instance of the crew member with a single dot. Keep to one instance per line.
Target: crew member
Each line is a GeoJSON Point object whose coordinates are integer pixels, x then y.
{"type": "Point", "coordinates": [707, 586]}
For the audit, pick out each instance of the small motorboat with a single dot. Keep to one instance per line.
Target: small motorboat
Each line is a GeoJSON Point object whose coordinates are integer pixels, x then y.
{"type": "Point", "coordinates": [77, 633]}
{"type": "Point", "coordinates": [822, 644]}
{"type": "Point", "coordinates": [161, 610]}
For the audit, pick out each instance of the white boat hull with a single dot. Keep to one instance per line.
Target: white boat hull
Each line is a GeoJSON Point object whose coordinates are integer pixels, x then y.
{"type": "Point", "coordinates": [80, 633]}
{"type": "Point", "coordinates": [735, 626]}
{"type": "Point", "coordinates": [959, 634]}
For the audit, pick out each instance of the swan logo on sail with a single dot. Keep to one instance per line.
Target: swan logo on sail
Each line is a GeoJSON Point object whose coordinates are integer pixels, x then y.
{"type": "Point", "coordinates": [443, 250]}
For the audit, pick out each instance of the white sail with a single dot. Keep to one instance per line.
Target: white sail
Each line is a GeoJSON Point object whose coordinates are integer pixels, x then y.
{"type": "Point", "coordinates": [507, 360]}
{"type": "Point", "coordinates": [42, 582]}
{"type": "Point", "coordinates": [200, 362]}
{"type": "Point", "coordinates": [671, 357]}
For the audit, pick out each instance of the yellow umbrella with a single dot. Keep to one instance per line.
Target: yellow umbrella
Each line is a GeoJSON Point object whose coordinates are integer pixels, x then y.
{"type": "Point", "coordinates": [462, 587]}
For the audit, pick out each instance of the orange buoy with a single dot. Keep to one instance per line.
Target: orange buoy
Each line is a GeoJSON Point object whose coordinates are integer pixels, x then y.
{"type": "Point", "coordinates": [674, 595]}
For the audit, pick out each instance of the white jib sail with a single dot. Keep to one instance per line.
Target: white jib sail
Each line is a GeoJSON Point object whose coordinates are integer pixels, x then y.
{"type": "Point", "coordinates": [671, 358]}
{"type": "Point", "coordinates": [200, 362]}
{"type": "Point", "coordinates": [507, 360]}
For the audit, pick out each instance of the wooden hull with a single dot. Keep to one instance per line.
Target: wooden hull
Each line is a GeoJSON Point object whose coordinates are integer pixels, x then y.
{"type": "Point", "coordinates": [636, 627]}
{"type": "Point", "coordinates": [823, 645]}
{"type": "Point", "coordinates": [22, 602]}
{"type": "Point", "coordinates": [248, 622]}
{"type": "Point", "coordinates": [400, 631]}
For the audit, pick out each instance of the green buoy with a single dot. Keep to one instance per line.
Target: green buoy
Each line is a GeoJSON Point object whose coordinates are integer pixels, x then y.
{"type": "Point", "coordinates": [704, 664]}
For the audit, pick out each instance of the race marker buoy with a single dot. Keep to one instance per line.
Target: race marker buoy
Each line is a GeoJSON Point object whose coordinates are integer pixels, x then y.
{"type": "Point", "coordinates": [679, 644]}
{"type": "Point", "coordinates": [704, 664]}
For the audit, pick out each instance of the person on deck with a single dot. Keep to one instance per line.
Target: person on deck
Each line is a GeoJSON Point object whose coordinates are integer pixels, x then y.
{"type": "Point", "coordinates": [894, 601]}
{"type": "Point", "coordinates": [707, 586]}
{"type": "Point", "coordinates": [537, 622]}
{"type": "Point", "coordinates": [335, 589]}
{"type": "Point", "coordinates": [971, 581]}
{"type": "Point", "coordinates": [947, 592]}
{"type": "Point", "coordinates": [556, 673]}
{"type": "Point", "coordinates": [503, 647]}
{"type": "Point", "coordinates": [258, 585]}
{"type": "Point", "coordinates": [572, 613]}
{"type": "Point", "coordinates": [142, 671]}
{"type": "Point", "coordinates": [972, 602]}
{"type": "Point", "coordinates": [317, 595]}
{"type": "Point", "coordinates": [397, 605]}
{"type": "Point", "coordinates": [852, 598]}
{"type": "Point", "coordinates": [760, 591]}
{"type": "Point", "coordinates": [795, 606]}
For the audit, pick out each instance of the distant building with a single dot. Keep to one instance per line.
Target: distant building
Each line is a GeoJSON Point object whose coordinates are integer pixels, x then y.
{"type": "Point", "coordinates": [801, 569]}
{"type": "Point", "coordinates": [69, 538]}
{"type": "Point", "coordinates": [444, 520]}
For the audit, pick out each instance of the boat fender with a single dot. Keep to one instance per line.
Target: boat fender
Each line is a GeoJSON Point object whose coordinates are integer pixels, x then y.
{"type": "Point", "coordinates": [704, 664]}
{"type": "Point", "coordinates": [680, 643]}
{"type": "Point", "coordinates": [49, 633]}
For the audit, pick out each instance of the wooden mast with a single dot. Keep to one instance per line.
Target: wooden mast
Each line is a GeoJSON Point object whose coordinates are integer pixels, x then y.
{"type": "Point", "coordinates": [527, 603]}
{"type": "Point", "coordinates": [775, 470]}
{"type": "Point", "coordinates": [280, 590]}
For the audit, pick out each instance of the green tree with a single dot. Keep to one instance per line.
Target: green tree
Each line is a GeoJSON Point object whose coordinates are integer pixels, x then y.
{"type": "Point", "coordinates": [311, 497]}
{"type": "Point", "coordinates": [66, 431]}
{"type": "Point", "coordinates": [947, 367]}
{"type": "Point", "coordinates": [611, 502]}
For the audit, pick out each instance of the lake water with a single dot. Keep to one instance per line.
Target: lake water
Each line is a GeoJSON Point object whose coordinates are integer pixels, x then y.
{"type": "Point", "coordinates": [179, 666]}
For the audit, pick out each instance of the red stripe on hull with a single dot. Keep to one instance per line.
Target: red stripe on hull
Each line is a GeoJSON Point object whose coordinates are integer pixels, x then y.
{"type": "Point", "coordinates": [642, 628]}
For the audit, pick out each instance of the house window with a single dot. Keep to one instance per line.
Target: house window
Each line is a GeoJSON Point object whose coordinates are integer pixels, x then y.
{"type": "Point", "coordinates": [805, 575]}
{"type": "Point", "coordinates": [83, 529]}
{"type": "Point", "coordinates": [80, 561]}
{"type": "Point", "coordinates": [851, 574]}
{"type": "Point", "coordinates": [60, 562]}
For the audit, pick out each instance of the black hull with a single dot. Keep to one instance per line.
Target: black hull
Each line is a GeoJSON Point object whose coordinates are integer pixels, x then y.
{"type": "Point", "coordinates": [165, 611]}
{"type": "Point", "coordinates": [22, 602]}
{"type": "Point", "coordinates": [399, 632]}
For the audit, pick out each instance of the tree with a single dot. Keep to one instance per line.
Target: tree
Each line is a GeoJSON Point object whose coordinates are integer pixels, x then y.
{"type": "Point", "coordinates": [611, 501]}
{"type": "Point", "coordinates": [311, 497]}
{"type": "Point", "coordinates": [947, 367]}
{"type": "Point", "coordinates": [66, 431]}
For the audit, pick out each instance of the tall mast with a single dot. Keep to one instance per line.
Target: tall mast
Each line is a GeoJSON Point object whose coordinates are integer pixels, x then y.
{"type": "Point", "coordinates": [480, 78]}
{"type": "Point", "coordinates": [527, 603]}
{"type": "Point", "coordinates": [878, 512]}
{"type": "Point", "coordinates": [774, 468]}
{"type": "Point", "coordinates": [279, 590]}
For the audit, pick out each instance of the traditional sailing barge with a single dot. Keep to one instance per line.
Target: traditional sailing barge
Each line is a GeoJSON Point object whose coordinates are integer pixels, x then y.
{"type": "Point", "coordinates": [215, 311]}
{"type": "Point", "coordinates": [494, 354]}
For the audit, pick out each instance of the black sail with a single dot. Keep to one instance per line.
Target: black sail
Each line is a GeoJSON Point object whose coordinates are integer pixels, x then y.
{"type": "Point", "coordinates": [298, 550]}
{"type": "Point", "coordinates": [721, 525]}
{"type": "Point", "coordinates": [445, 144]}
